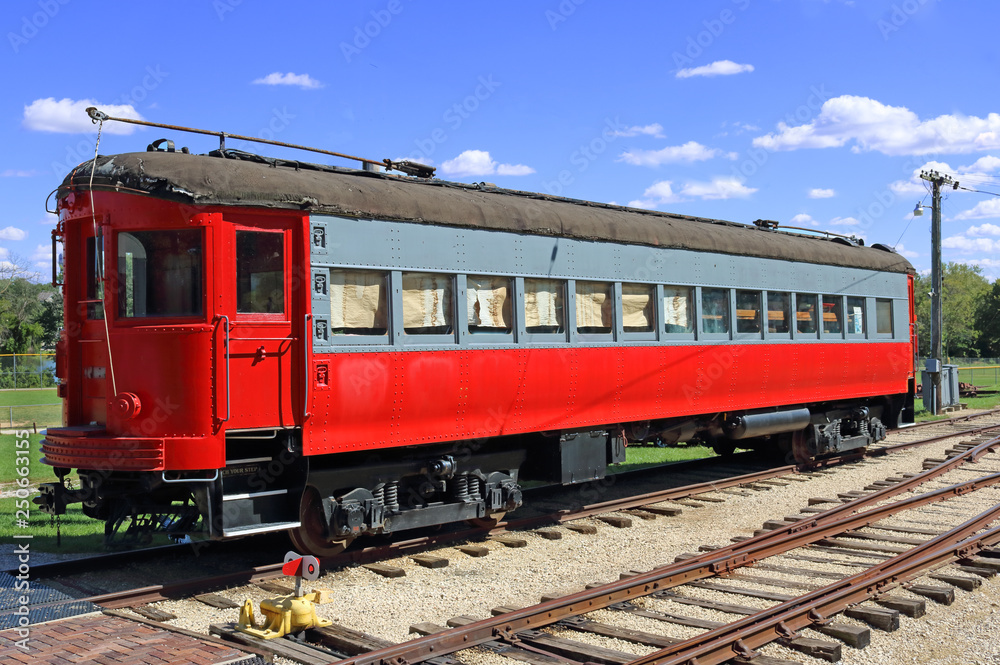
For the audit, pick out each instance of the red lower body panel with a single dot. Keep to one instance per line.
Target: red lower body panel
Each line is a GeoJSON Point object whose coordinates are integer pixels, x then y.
{"type": "Point", "coordinates": [379, 400]}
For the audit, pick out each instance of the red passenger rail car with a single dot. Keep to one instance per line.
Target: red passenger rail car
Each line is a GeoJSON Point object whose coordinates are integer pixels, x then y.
{"type": "Point", "coordinates": [255, 345]}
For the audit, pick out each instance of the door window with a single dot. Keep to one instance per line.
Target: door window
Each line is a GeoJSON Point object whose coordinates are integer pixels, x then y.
{"type": "Point", "coordinates": [160, 273]}
{"type": "Point", "coordinates": [260, 272]}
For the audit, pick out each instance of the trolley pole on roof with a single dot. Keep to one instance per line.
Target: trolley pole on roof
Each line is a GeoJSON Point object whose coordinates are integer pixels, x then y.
{"type": "Point", "coordinates": [937, 317]}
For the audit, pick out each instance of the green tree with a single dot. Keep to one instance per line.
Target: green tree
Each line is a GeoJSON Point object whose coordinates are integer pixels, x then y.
{"type": "Point", "coordinates": [30, 312]}
{"type": "Point", "coordinates": [987, 323]}
{"type": "Point", "coordinates": [964, 289]}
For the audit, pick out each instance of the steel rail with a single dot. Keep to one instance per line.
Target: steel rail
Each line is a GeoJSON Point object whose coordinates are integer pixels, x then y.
{"type": "Point", "coordinates": [804, 532]}
{"type": "Point", "coordinates": [739, 638]}
{"type": "Point", "coordinates": [156, 593]}
{"type": "Point", "coordinates": [885, 450]}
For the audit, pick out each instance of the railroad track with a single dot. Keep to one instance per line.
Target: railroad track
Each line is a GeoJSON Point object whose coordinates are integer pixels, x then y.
{"type": "Point", "coordinates": [341, 642]}
{"type": "Point", "coordinates": [662, 501]}
{"type": "Point", "coordinates": [795, 576]}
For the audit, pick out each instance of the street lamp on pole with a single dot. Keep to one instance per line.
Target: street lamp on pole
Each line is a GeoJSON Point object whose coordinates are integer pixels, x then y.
{"type": "Point", "coordinates": [937, 318]}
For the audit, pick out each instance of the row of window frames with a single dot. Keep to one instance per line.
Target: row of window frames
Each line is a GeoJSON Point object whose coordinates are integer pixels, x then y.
{"type": "Point", "coordinates": [600, 303]}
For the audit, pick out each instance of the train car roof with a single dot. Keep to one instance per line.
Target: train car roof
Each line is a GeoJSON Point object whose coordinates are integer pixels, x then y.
{"type": "Point", "coordinates": [234, 178]}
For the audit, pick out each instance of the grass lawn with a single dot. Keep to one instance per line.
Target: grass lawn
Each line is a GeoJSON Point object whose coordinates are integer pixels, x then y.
{"type": "Point", "coordinates": [984, 402]}
{"type": "Point", "coordinates": [639, 457]}
{"type": "Point", "coordinates": [15, 414]}
{"type": "Point", "coordinates": [29, 396]}
{"type": "Point", "coordinates": [79, 533]}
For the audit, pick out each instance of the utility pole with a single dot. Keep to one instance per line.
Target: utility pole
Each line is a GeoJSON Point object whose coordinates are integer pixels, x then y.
{"type": "Point", "coordinates": [937, 318]}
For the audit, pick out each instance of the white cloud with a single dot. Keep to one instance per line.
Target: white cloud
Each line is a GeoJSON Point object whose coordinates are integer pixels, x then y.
{"type": "Point", "coordinates": [42, 257]}
{"type": "Point", "coordinates": [966, 244]}
{"type": "Point", "coordinates": [986, 164]}
{"type": "Point", "coordinates": [987, 209]}
{"type": "Point", "coordinates": [514, 169]}
{"type": "Point", "coordinates": [303, 81]}
{"type": "Point", "coordinates": [892, 130]}
{"type": "Point", "coordinates": [821, 193]}
{"type": "Point", "coordinates": [692, 151]}
{"type": "Point", "coordinates": [802, 219]}
{"type": "Point", "coordinates": [13, 233]}
{"type": "Point", "coordinates": [983, 230]}
{"type": "Point", "coordinates": [721, 187]}
{"type": "Point", "coordinates": [17, 173]}
{"type": "Point", "coordinates": [717, 68]}
{"type": "Point", "coordinates": [845, 221]}
{"type": "Point", "coordinates": [4, 252]}
{"type": "Point", "coordinates": [902, 251]}
{"type": "Point", "coordinates": [470, 162]}
{"type": "Point", "coordinates": [479, 163]}
{"type": "Point", "coordinates": [70, 117]}
{"type": "Point", "coordinates": [655, 130]}
{"type": "Point", "coordinates": [656, 194]}
{"type": "Point", "coordinates": [991, 267]}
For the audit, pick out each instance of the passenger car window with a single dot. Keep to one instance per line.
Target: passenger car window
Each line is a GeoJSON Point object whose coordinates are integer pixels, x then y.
{"type": "Point", "coordinates": [777, 312]}
{"type": "Point", "coordinates": [543, 305]}
{"type": "Point", "coordinates": [715, 310]}
{"type": "Point", "coordinates": [489, 304]}
{"type": "Point", "coordinates": [95, 286]}
{"type": "Point", "coordinates": [160, 273]}
{"type": "Point", "coordinates": [883, 316]}
{"type": "Point", "coordinates": [427, 303]}
{"type": "Point", "coordinates": [638, 307]}
{"type": "Point", "coordinates": [833, 315]}
{"type": "Point", "coordinates": [260, 272]}
{"type": "Point", "coordinates": [358, 302]}
{"type": "Point", "coordinates": [677, 314]}
{"type": "Point", "coordinates": [748, 311]}
{"type": "Point", "coordinates": [806, 313]}
{"type": "Point", "coordinates": [855, 316]}
{"type": "Point", "coordinates": [595, 304]}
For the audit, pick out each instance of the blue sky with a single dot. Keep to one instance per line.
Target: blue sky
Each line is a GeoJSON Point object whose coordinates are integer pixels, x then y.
{"type": "Point", "coordinates": [813, 113]}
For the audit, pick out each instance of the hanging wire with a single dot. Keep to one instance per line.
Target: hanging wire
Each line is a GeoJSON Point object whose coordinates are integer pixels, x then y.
{"type": "Point", "coordinates": [912, 217]}
{"type": "Point", "coordinates": [978, 191]}
{"type": "Point", "coordinates": [99, 255]}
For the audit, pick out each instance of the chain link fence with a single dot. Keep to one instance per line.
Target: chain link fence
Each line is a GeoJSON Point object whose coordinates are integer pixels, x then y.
{"type": "Point", "coordinates": [27, 399]}
{"type": "Point", "coordinates": [30, 417]}
{"type": "Point", "coordinates": [27, 370]}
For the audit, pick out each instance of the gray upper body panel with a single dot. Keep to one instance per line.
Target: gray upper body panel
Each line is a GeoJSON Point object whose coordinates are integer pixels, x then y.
{"type": "Point", "coordinates": [212, 180]}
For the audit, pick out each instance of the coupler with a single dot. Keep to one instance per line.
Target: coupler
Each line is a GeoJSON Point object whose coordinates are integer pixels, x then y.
{"type": "Point", "coordinates": [291, 613]}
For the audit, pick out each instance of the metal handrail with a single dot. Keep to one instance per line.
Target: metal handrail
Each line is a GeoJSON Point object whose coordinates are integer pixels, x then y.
{"type": "Point", "coordinates": [306, 336]}
{"type": "Point", "coordinates": [225, 318]}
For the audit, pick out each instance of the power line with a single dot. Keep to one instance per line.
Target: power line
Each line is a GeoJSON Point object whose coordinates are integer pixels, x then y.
{"type": "Point", "coordinates": [978, 191]}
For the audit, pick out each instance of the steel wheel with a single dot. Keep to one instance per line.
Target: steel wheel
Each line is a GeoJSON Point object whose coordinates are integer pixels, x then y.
{"type": "Point", "coordinates": [309, 538]}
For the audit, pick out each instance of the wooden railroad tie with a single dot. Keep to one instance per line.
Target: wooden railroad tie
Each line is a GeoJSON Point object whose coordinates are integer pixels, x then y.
{"type": "Point", "coordinates": [509, 541]}
{"type": "Point", "coordinates": [429, 561]}
{"type": "Point", "coordinates": [474, 550]}
{"type": "Point", "coordinates": [666, 511]}
{"type": "Point", "coordinates": [385, 570]}
{"type": "Point", "coordinates": [617, 521]}
{"type": "Point", "coordinates": [217, 601]}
